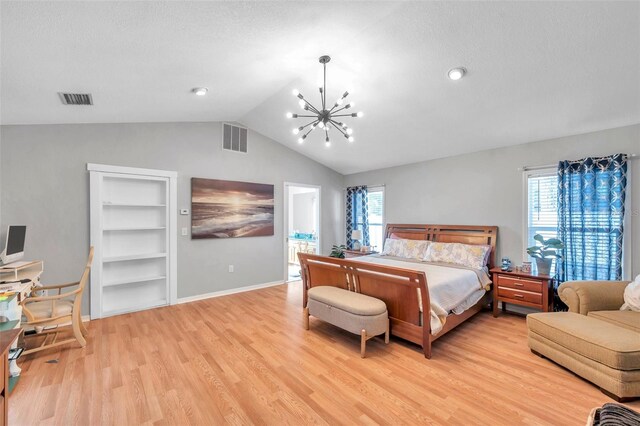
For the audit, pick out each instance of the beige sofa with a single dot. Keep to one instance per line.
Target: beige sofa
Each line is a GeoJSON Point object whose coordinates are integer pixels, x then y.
{"type": "Point", "coordinates": [594, 339]}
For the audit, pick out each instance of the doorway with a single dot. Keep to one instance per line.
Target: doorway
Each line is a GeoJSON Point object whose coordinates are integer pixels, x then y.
{"type": "Point", "coordinates": [302, 225]}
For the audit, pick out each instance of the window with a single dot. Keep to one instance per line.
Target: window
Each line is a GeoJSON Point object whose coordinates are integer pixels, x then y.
{"type": "Point", "coordinates": [375, 207]}
{"type": "Point", "coordinates": [542, 205]}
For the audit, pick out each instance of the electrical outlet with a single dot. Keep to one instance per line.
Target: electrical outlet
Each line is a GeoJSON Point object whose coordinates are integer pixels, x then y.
{"type": "Point", "coordinates": [230, 268]}
{"type": "Point", "coordinates": [184, 211]}
{"type": "Point", "coordinates": [185, 232]}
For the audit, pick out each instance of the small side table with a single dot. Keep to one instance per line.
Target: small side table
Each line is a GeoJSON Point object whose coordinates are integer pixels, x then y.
{"type": "Point", "coordinates": [521, 288]}
{"type": "Point", "coordinates": [357, 253]}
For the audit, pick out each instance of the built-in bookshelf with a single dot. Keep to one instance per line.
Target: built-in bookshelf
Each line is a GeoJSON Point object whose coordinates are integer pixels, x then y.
{"type": "Point", "coordinates": [132, 231]}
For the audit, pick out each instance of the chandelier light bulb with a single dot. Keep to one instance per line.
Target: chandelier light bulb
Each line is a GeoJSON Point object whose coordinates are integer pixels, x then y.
{"type": "Point", "coordinates": [302, 103]}
{"type": "Point", "coordinates": [340, 101]}
{"type": "Point", "coordinates": [296, 131]}
{"type": "Point", "coordinates": [360, 114]}
{"type": "Point", "coordinates": [327, 144]}
{"type": "Point", "coordinates": [300, 140]}
{"type": "Point", "coordinates": [295, 92]}
{"type": "Point", "coordinates": [350, 139]}
{"type": "Point", "coordinates": [352, 104]}
{"type": "Point", "coordinates": [321, 125]}
{"type": "Point", "coordinates": [289, 115]}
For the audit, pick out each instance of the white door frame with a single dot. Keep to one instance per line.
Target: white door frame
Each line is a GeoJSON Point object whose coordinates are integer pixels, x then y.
{"type": "Point", "coordinates": [285, 226]}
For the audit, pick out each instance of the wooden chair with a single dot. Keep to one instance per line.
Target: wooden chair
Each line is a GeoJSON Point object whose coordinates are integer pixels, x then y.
{"type": "Point", "coordinates": [49, 314]}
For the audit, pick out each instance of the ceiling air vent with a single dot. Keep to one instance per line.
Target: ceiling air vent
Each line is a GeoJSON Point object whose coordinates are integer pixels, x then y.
{"type": "Point", "coordinates": [76, 98]}
{"type": "Point", "coordinates": [234, 138]}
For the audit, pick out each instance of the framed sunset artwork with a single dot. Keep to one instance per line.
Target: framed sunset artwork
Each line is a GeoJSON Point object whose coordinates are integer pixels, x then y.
{"type": "Point", "coordinates": [229, 209]}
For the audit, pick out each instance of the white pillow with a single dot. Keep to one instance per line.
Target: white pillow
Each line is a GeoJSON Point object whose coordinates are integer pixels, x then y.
{"type": "Point", "coordinates": [632, 296]}
{"type": "Point", "coordinates": [408, 249]}
{"type": "Point", "coordinates": [471, 256]}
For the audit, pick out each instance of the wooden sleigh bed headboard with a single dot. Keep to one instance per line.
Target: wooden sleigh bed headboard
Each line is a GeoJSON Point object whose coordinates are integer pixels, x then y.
{"type": "Point", "coordinates": [397, 286]}
{"type": "Point", "coordinates": [466, 234]}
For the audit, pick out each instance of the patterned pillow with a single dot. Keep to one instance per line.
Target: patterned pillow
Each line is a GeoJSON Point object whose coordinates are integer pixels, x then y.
{"type": "Point", "coordinates": [408, 249]}
{"type": "Point", "coordinates": [472, 256]}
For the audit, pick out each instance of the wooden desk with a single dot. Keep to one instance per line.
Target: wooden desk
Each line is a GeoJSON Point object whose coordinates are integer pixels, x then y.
{"type": "Point", "coordinates": [7, 339]}
{"type": "Point", "coordinates": [10, 307]}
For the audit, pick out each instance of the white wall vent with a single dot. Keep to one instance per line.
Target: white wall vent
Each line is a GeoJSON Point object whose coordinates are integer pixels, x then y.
{"type": "Point", "coordinates": [76, 98]}
{"type": "Point", "coordinates": [234, 138]}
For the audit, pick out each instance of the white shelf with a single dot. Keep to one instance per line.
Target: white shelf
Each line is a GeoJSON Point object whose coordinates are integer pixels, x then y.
{"type": "Point", "coordinates": [133, 280]}
{"type": "Point", "coordinates": [138, 307]}
{"type": "Point", "coordinates": [106, 204]}
{"type": "Point", "coordinates": [133, 257]}
{"type": "Point", "coordinates": [145, 228]}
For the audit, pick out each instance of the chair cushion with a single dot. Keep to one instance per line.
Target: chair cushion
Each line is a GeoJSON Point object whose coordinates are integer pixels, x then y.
{"type": "Point", "coordinates": [348, 301]}
{"type": "Point", "coordinates": [626, 319]}
{"type": "Point", "coordinates": [601, 341]}
{"type": "Point", "coordinates": [42, 309]}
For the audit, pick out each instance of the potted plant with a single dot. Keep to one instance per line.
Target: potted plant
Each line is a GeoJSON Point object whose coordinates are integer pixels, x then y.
{"type": "Point", "coordinates": [545, 252]}
{"type": "Point", "coordinates": [338, 251]}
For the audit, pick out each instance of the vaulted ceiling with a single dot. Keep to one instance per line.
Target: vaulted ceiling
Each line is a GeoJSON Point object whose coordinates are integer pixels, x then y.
{"type": "Point", "coordinates": [536, 70]}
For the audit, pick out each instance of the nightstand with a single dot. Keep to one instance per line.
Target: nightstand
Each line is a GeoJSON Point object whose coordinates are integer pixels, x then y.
{"type": "Point", "coordinates": [521, 288]}
{"type": "Point", "coordinates": [357, 253]}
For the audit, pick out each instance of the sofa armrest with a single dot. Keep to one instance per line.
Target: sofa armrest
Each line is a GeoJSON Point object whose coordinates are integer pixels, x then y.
{"type": "Point", "coordinates": [583, 297]}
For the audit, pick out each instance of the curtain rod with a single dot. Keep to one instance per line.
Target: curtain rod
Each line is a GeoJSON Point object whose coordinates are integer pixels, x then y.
{"type": "Point", "coordinates": [368, 186]}
{"type": "Point", "coordinates": [548, 166]}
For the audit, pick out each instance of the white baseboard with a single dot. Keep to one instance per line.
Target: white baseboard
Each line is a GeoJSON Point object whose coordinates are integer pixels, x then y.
{"type": "Point", "coordinates": [228, 292]}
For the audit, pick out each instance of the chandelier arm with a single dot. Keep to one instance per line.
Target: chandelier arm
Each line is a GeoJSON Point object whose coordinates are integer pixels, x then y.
{"type": "Point", "coordinates": [312, 107]}
{"type": "Point", "coordinates": [306, 116]}
{"type": "Point", "coordinates": [309, 131]}
{"type": "Point", "coordinates": [337, 127]}
{"type": "Point", "coordinates": [310, 123]}
{"type": "Point", "coordinates": [342, 115]}
{"type": "Point", "coordinates": [326, 132]}
{"type": "Point", "coordinates": [340, 109]}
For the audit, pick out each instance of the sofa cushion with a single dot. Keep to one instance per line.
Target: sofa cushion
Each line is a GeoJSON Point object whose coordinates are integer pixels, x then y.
{"type": "Point", "coordinates": [601, 341]}
{"type": "Point", "coordinates": [356, 303]}
{"type": "Point", "coordinates": [626, 319]}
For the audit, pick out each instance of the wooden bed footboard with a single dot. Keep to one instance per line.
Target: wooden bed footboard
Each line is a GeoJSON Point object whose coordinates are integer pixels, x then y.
{"type": "Point", "coordinates": [397, 287]}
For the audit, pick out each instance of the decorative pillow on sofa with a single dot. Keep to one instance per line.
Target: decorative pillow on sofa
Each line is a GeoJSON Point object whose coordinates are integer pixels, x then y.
{"type": "Point", "coordinates": [632, 296]}
{"type": "Point", "coordinates": [408, 249]}
{"type": "Point", "coordinates": [472, 256]}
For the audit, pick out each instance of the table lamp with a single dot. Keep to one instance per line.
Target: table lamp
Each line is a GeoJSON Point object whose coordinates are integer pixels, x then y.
{"type": "Point", "coordinates": [356, 235]}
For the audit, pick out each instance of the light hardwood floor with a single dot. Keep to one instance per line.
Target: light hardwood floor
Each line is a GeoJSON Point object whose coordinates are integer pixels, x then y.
{"type": "Point", "coordinates": [245, 359]}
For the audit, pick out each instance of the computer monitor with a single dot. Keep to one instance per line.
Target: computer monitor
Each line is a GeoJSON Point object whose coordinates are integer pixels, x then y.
{"type": "Point", "coordinates": [14, 249]}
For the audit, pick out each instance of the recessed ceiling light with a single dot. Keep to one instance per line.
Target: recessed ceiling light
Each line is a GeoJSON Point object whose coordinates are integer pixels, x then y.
{"type": "Point", "coordinates": [456, 73]}
{"type": "Point", "coordinates": [200, 91]}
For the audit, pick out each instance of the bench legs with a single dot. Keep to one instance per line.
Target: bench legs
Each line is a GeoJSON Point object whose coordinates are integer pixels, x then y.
{"type": "Point", "coordinates": [364, 337]}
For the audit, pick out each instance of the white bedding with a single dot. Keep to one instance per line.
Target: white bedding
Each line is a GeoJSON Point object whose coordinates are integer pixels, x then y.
{"type": "Point", "coordinates": [451, 289]}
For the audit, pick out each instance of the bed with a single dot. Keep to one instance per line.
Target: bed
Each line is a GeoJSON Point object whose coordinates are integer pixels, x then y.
{"type": "Point", "coordinates": [403, 284]}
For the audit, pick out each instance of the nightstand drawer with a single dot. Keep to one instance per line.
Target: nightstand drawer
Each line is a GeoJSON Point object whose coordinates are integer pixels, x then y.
{"type": "Point", "coordinates": [519, 284]}
{"type": "Point", "coordinates": [521, 296]}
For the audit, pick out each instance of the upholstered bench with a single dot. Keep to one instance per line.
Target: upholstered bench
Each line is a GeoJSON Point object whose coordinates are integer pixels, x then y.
{"type": "Point", "coordinates": [353, 312]}
{"type": "Point", "coordinates": [600, 351]}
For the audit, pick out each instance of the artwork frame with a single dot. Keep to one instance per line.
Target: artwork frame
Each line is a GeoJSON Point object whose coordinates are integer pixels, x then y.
{"type": "Point", "coordinates": [231, 209]}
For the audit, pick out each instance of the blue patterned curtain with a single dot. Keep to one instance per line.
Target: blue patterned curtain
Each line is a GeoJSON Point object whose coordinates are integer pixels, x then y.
{"type": "Point", "coordinates": [357, 214]}
{"type": "Point", "coordinates": [591, 195]}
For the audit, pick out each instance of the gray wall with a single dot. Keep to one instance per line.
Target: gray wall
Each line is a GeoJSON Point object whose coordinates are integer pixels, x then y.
{"type": "Point", "coordinates": [45, 185]}
{"type": "Point", "coordinates": [486, 188]}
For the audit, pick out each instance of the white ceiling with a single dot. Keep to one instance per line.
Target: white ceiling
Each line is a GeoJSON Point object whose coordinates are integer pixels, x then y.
{"type": "Point", "coordinates": [536, 70]}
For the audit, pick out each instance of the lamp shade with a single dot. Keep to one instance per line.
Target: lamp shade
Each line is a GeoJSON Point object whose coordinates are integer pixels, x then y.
{"type": "Point", "coordinates": [356, 234]}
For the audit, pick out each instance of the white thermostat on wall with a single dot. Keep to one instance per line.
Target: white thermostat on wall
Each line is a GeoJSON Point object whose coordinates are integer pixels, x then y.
{"type": "Point", "coordinates": [184, 211]}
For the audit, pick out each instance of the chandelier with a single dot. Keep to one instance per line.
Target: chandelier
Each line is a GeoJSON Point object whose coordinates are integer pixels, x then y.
{"type": "Point", "coordinates": [324, 117]}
